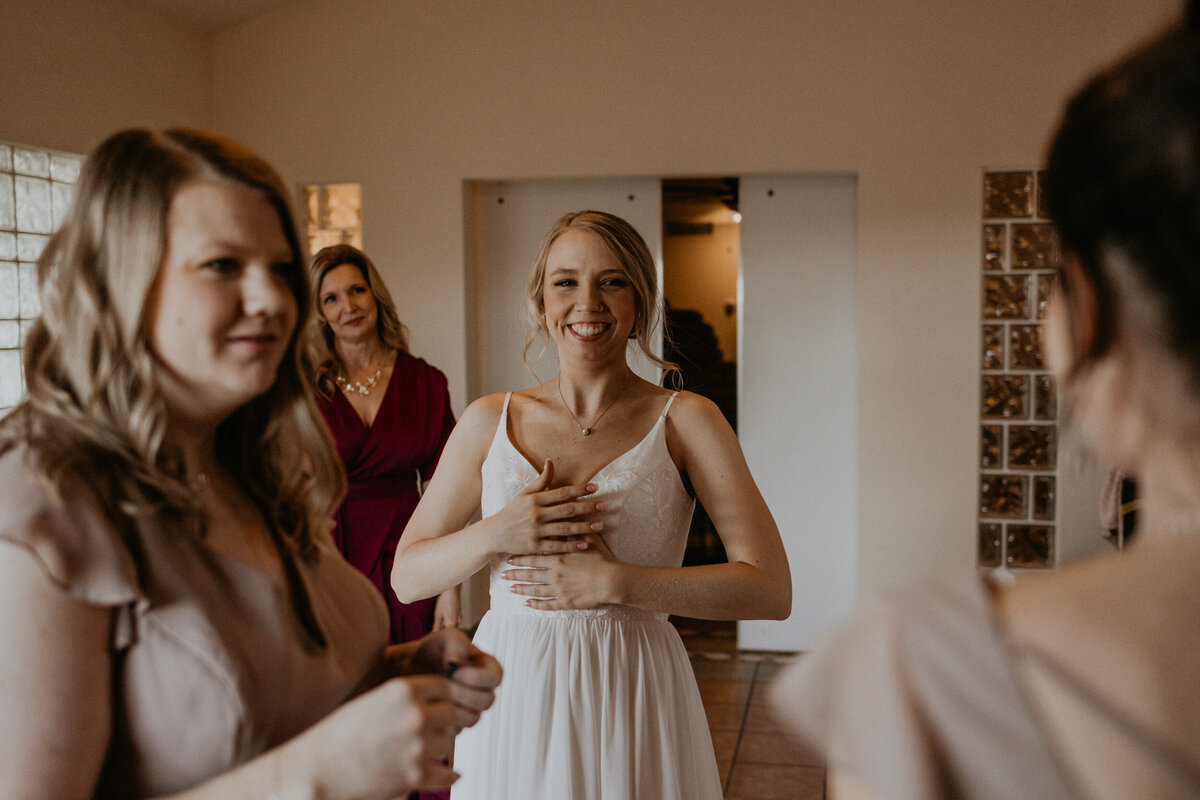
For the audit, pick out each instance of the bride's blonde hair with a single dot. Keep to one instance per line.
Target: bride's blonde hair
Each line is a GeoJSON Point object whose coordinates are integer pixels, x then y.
{"type": "Point", "coordinates": [94, 410]}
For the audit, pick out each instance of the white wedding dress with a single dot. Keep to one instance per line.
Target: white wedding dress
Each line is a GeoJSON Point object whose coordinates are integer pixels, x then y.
{"type": "Point", "coordinates": [596, 704]}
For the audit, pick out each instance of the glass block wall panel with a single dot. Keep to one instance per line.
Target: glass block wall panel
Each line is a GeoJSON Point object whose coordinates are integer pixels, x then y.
{"type": "Point", "coordinates": [993, 246]}
{"type": "Point", "coordinates": [1018, 408]}
{"type": "Point", "coordinates": [1025, 347]}
{"type": "Point", "coordinates": [1043, 497]}
{"type": "Point", "coordinates": [1034, 246]}
{"type": "Point", "coordinates": [991, 440]}
{"type": "Point", "coordinates": [332, 214]}
{"type": "Point", "coordinates": [989, 544]}
{"type": "Point", "coordinates": [1006, 297]}
{"type": "Point", "coordinates": [1045, 398]}
{"type": "Point", "coordinates": [1031, 447]}
{"type": "Point", "coordinates": [36, 187]}
{"type": "Point", "coordinates": [1008, 194]}
{"type": "Point", "coordinates": [11, 385]}
{"type": "Point", "coordinates": [993, 347]}
{"type": "Point", "coordinates": [1044, 284]}
{"type": "Point", "coordinates": [10, 334]}
{"type": "Point", "coordinates": [1029, 546]}
{"type": "Point", "coordinates": [1003, 496]}
{"type": "Point", "coordinates": [1005, 397]}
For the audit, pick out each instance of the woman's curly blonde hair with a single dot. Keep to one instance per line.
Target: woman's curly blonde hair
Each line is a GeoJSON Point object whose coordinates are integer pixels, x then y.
{"type": "Point", "coordinates": [94, 409]}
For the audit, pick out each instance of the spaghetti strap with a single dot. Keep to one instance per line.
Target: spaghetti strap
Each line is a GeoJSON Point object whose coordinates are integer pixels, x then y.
{"type": "Point", "coordinates": [507, 397]}
{"type": "Point", "coordinates": [666, 408]}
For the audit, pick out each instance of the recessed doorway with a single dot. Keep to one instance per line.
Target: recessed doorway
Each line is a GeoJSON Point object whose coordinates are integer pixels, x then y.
{"type": "Point", "coordinates": [701, 251]}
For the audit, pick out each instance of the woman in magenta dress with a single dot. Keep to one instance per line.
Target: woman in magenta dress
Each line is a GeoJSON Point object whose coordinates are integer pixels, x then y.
{"type": "Point", "coordinates": [390, 415]}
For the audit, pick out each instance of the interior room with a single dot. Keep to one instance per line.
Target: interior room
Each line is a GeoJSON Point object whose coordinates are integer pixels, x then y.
{"type": "Point", "coordinates": [920, 119]}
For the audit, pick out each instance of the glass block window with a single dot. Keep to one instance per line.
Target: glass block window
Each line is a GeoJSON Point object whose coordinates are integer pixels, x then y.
{"type": "Point", "coordinates": [35, 190]}
{"type": "Point", "coordinates": [1018, 410]}
{"type": "Point", "coordinates": [332, 214]}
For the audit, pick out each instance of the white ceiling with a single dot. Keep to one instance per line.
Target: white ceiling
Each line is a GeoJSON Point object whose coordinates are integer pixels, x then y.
{"type": "Point", "coordinates": [211, 15]}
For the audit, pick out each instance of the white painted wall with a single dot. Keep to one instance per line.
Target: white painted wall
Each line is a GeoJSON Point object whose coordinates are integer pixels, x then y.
{"type": "Point", "coordinates": [798, 395]}
{"type": "Point", "coordinates": [509, 220]}
{"type": "Point", "coordinates": [411, 98]}
{"type": "Point", "coordinates": [74, 71]}
{"type": "Point", "coordinates": [916, 97]}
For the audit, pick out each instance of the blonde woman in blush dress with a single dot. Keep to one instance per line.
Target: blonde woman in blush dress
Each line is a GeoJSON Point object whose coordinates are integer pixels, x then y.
{"type": "Point", "coordinates": [174, 620]}
{"type": "Point", "coordinates": [586, 485]}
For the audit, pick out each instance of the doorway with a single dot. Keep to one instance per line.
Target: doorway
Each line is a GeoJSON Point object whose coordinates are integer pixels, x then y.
{"type": "Point", "coordinates": [701, 250]}
{"type": "Point", "coordinates": [795, 351]}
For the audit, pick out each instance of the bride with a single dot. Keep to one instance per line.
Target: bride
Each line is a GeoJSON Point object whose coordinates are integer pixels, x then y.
{"type": "Point", "coordinates": [587, 484]}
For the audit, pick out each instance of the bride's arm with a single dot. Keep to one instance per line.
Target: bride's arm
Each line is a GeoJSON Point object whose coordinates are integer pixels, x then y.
{"type": "Point", "coordinates": [754, 584]}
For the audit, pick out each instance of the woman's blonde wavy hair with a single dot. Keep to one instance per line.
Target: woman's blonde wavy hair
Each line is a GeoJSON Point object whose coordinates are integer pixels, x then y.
{"type": "Point", "coordinates": [94, 409]}
{"type": "Point", "coordinates": [321, 339]}
{"type": "Point", "coordinates": [630, 250]}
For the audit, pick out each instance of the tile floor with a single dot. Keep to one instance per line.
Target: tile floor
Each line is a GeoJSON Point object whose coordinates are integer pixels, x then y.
{"type": "Point", "coordinates": [758, 760]}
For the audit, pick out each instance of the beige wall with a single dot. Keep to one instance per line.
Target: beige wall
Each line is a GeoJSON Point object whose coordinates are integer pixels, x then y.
{"type": "Point", "coordinates": [74, 71]}
{"type": "Point", "coordinates": [916, 97]}
{"type": "Point", "coordinates": [411, 98]}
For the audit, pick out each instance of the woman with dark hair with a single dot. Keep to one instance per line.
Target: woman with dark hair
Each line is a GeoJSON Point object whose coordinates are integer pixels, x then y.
{"type": "Point", "coordinates": [174, 619]}
{"type": "Point", "coordinates": [390, 416]}
{"type": "Point", "coordinates": [586, 485]}
{"type": "Point", "coordinates": [1080, 684]}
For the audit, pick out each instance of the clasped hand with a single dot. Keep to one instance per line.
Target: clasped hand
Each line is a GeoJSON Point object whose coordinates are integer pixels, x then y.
{"type": "Point", "coordinates": [554, 582]}
{"type": "Point", "coordinates": [544, 520]}
{"type": "Point", "coordinates": [554, 535]}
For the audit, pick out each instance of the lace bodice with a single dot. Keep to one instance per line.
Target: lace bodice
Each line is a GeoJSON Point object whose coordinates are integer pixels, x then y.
{"type": "Point", "coordinates": [649, 510]}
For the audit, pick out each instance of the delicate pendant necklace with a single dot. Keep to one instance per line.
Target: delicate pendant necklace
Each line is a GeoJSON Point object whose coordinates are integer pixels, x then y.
{"type": "Point", "coordinates": [362, 387]}
{"type": "Point", "coordinates": [586, 430]}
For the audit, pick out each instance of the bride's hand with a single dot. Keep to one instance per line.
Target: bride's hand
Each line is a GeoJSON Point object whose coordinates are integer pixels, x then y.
{"type": "Point", "coordinates": [543, 520]}
{"type": "Point", "coordinates": [583, 579]}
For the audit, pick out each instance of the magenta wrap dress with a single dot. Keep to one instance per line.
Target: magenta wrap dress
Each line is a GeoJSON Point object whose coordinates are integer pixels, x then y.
{"type": "Point", "coordinates": [383, 466]}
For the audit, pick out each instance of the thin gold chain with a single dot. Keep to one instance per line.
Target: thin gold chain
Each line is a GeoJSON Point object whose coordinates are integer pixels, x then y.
{"type": "Point", "coordinates": [586, 430]}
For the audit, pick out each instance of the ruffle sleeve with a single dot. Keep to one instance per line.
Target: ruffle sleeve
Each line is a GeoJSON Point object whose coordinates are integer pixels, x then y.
{"type": "Point", "coordinates": [75, 544]}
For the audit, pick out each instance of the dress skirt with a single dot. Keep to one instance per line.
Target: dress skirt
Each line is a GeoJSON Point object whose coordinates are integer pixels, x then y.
{"type": "Point", "coordinates": [599, 704]}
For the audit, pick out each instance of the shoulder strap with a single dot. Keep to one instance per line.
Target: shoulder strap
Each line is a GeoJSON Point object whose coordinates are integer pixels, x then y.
{"type": "Point", "coordinates": [667, 407]}
{"type": "Point", "coordinates": [507, 397]}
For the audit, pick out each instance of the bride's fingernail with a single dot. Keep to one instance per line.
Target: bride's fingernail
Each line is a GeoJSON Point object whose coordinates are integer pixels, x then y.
{"type": "Point", "coordinates": [582, 545]}
{"type": "Point", "coordinates": [591, 487]}
{"type": "Point", "coordinates": [601, 506]}
{"type": "Point", "coordinates": [597, 526]}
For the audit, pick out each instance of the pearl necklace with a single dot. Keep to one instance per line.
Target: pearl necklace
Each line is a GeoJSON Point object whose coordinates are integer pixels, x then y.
{"type": "Point", "coordinates": [586, 430]}
{"type": "Point", "coordinates": [362, 387]}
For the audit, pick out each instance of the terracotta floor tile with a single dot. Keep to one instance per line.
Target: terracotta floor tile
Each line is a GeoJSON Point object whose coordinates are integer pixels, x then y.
{"type": "Point", "coordinates": [725, 716]}
{"type": "Point", "coordinates": [756, 758]}
{"type": "Point", "coordinates": [761, 694]}
{"type": "Point", "coordinates": [760, 720]}
{"type": "Point", "coordinates": [724, 691]}
{"type": "Point", "coordinates": [777, 782]}
{"type": "Point", "coordinates": [773, 748]}
{"type": "Point", "coordinates": [727, 669]}
{"type": "Point", "coordinates": [724, 744]}
{"type": "Point", "coordinates": [767, 670]}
